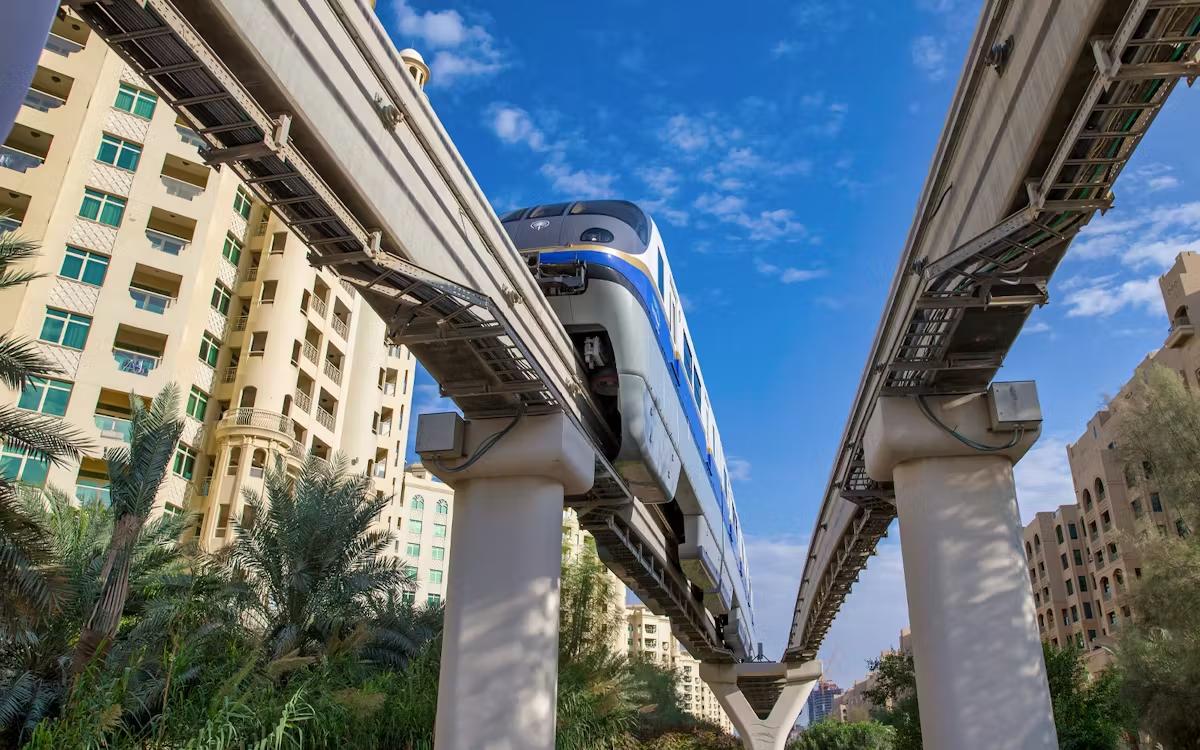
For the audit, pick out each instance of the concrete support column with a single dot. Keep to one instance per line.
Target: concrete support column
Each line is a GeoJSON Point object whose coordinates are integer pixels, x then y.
{"type": "Point", "coordinates": [981, 679]}
{"type": "Point", "coordinates": [757, 732]}
{"type": "Point", "coordinates": [499, 676]}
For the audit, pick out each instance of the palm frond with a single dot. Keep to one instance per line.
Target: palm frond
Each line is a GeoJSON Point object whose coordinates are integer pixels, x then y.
{"type": "Point", "coordinates": [42, 437]}
{"type": "Point", "coordinates": [20, 360]}
{"type": "Point", "coordinates": [15, 249]}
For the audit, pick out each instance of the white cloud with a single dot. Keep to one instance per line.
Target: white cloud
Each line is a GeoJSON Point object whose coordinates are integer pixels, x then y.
{"type": "Point", "coordinates": [784, 48]}
{"type": "Point", "coordinates": [787, 275]}
{"type": "Point", "coordinates": [739, 469]}
{"type": "Point", "coordinates": [929, 56]}
{"type": "Point", "coordinates": [578, 183]}
{"type": "Point", "coordinates": [1039, 327]}
{"type": "Point", "coordinates": [514, 125]}
{"type": "Point", "coordinates": [826, 117]}
{"type": "Point", "coordinates": [462, 50]}
{"type": "Point", "coordinates": [1102, 297]}
{"type": "Point", "coordinates": [1044, 478]}
{"type": "Point", "coordinates": [689, 134]}
{"type": "Point", "coordinates": [777, 224]}
{"type": "Point", "coordinates": [1148, 237]}
{"type": "Point", "coordinates": [776, 564]}
{"type": "Point", "coordinates": [664, 181]}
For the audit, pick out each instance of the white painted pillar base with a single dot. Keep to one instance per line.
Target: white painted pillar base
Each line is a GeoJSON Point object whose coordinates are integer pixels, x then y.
{"type": "Point", "coordinates": [757, 733]}
{"type": "Point", "coordinates": [499, 672]}
{"type": "Point", "coordinates": [981, 679]}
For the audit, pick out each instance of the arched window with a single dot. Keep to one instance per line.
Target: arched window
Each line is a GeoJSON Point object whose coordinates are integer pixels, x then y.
{"type": "Point", "coordinates": [1105, 588]}
{"type": "Point", "coordinates": [1148, 469]}
{"type": "Point", "coordinates": [1087, 500]}
{"type": "Point", "coordinates": [287, 405]}
{"type": "Point", "coordinates": [443, 507]}
{"type": "Point", "coordinates": [258, 462]}
{"type": "Point", "coordinates": [1037, 542]}
{"type": "Point", "coordinates": [418, 502]}
{"type": "Point", "coordinates": [1181, 316]}
{"type": "Point", "coordinates": [1099, 490]}
{"type": "Point", "coordinates": [1119, 579]}
{"type": "Point", "coordinates": [249, 394]}
{"type": "Point", "coordinates": [1028, 550]}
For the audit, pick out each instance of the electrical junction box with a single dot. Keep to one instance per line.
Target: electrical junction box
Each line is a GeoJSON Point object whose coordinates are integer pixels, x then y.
{"type": "Point", "coordinates": [440, 435]}
{"type": "Point", "coordinates": [1014, 406]}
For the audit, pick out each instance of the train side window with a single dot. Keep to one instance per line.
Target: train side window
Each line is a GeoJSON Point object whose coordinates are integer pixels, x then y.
{"type": "Point", "coordinates": [687, 359]}
{"type": "Point", "coordinates": [698, 389]}
{"type": "Point", "coordinates": [662, 276]}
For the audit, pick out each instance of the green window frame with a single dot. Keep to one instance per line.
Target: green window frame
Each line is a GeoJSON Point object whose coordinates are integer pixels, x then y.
{"type": "Point", "coordinates": [84, 266]}
{"type": "Point", "coordinates": [119, 152]}
{"type": "Point", "coordinates": [210, 349]}
{"type": "Point", "coordinates": [415, 525]}
{"type": "Point", "coordinates": [65, 328]}
{"type": "Point", "coordinates": [18, 466]}
{"type": "Point", "coordinates": [433, 600]}
{"type": "Point", "coordinates": [221, 295]}
{"type": "Point", "coordinates": [408, 597]}
{"type": "Point", "coordinates": [184, 462]}
{"type": "Point", "coordinates": [439, 553]}
{"type": "Point", "coordinates": [46, 395]}
{"type": "Point", "coordinates": [435, 576]}
{"type": "Point", "coordinates": [411, 571]}
{"type": "Point", "coordinates": [135, 101]}
{"type": "Point", "coordinates": [197, 404]}
{"type": "Point", "coordinates": [241, 203]}
{"type": "Point", "coordinates": [418, 502]}
{"type": "Point", "coordinates": [439, 530]}
{"type": "Point", "coordinates": [231, 250]}
{"type": "Point", "coordinates": [443, 507]}
{"type": "Point", "coordinates": [412, 549]}
{"type": "Point", "coordinates": [102, 207]}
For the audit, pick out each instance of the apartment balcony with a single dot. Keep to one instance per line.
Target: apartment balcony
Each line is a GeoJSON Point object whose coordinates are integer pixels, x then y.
{"type": "Point", "coordinates": [9, 224]}
{"type": "Point", "coordinates": [239, 323]}
{"type": "Point", "coordinates": [250, 274]}
{"type": "Point", "coordinates": [1181, 330]}
{"type": "Point", "coordinates": [341, 328]}
{"type": "Point", "coordinates": [257, 422]}
{"type": "Point", "coordinates": [166, 243]}
{"type": "Point", "coordinates": [229, 374]}
{"type": "Point", "coordinates": [144, 299]}
{"type": "Point", "coordinates": [310, 352]}
{"type": "Point", "coordinates": [333, 372]}
{"type": "Point", "coordinates": [190, 137]}
{"type": "Point", "coordinates": [180, 188]}
{"type": "Point", "coordinates": [136, 363]}
{"type": "Point", "coordinates": [92, 494]}
{"type": "Point", "coordinates": [60, 45]}
{"type": "Point", "coordinates": [325, 419]}
{"type": "Point", "coordinates": [302, 400]}
{"type": "Point", "coordinates": [316, 305]}
{"type": "Point", "coordinates": [18, 160]}
{"type": "Point", "coordinates": [41, 101]}
{"type": "Point", "coordinates": [114, 428]}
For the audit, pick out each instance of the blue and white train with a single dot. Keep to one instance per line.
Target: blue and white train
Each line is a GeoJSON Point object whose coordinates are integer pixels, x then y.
{"type": "Point", "coordinates": [604, 268]}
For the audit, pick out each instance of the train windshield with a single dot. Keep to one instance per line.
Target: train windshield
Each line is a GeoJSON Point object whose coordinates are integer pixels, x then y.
{"type": "Point", "coordinates": [512, 215]}
{"type": "Point", "coordinates": [552, 209]}
{"type": "Point", "coordinates": [621, 210]}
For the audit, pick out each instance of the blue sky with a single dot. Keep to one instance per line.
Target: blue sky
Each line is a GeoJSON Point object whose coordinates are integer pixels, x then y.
{"type": "Point", "coordinates": [782, 153]}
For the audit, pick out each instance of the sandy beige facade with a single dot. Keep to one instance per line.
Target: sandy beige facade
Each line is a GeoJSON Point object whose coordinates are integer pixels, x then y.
{"type": "Point", "coordinates": [156, 270]}
{"type": "Point", "coordinates": [420, 515]}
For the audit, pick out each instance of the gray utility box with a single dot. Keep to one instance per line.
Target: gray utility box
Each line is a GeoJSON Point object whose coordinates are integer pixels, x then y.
{"type": "Point", "coordinates": [1014, 406]}
{"type": "Point", "coordinates": [440, 435]}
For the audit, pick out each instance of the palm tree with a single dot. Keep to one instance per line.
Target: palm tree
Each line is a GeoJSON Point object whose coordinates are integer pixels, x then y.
{"type": "Point", "coordinates": [135, 475]}
{"type": "Point", "coordinates": [316, 569]}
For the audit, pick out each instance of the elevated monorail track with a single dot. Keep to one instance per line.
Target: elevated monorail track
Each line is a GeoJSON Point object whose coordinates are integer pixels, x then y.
{"type": "Point", "coordinates": [351, 157]}
{"type": "Point", "coordinates": [1054, 99]}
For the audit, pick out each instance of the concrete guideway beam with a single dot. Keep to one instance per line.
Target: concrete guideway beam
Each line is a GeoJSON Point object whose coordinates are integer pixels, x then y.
{"type": "Point", "coordinates": [980, 675]}
{"type": "Point", "coordinates": [499, 674]}
{"type": "Point", "coordinates": [795, 682]}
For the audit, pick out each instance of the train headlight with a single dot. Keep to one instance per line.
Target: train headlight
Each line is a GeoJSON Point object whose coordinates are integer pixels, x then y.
{"type": "Point", "coordinates": [597, 235]}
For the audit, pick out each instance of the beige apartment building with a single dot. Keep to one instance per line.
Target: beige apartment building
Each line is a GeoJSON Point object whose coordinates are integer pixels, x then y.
{"type": "Point", "coordinates": [1087, 602]}
{"type": "Point", "coordinates": [420, 515]}
{"type": "Point", "coordinates": [698, 698]}
{"type": "Point", "coordinates": [156, 270]}
{"type": "Point", "coordinates": [853, 705]}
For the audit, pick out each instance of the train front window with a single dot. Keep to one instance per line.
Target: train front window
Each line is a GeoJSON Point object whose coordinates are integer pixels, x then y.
{"type": "Point", "coordinates": [620, 210]}
{"type": "Point", "coordinates": [512, 215]}
{"type": "Point", "coordinates": [552, 209]}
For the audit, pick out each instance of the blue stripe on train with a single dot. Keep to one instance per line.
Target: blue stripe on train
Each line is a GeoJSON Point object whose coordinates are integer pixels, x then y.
{"type": "Point", "coordinates": [652, 304]}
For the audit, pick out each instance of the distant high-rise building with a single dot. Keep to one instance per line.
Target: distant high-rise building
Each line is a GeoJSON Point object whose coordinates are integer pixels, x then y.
{"type": "Point", "coordinates": [820, 701]}
{"type": "Point", "coordinates": [853, 704]}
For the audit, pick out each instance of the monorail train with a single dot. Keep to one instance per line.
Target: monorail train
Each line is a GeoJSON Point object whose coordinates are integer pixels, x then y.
{"type": "Point", "coordinates": [603, 266]}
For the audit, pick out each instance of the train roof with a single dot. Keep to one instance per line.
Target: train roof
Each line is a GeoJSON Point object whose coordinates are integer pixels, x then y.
{"type": "Point", "coordinates": [623, 211]}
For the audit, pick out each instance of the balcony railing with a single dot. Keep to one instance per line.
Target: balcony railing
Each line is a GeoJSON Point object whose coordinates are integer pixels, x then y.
{"type": "Point", "coordinates": [93, 494]}
{"type": "Point", "coordinates": [379, 471]}
{"type": "Point", "coordinates": [229, 374]}
{"type": "Point", "coordinates": [340, 326]}
{"type": "Point", "coordinates": [325, 418]}
{"type": "Point", "coordinates": [9, 224]}
{"type": "Point", "coordinates": [246, 416]}
{"type": "Point", "coordinates": [389, 389]}
{"type": "Point", "coordinates": [250, 274]}
{"type": "Point", "coordinates": [114, 427]}
{"type": "Point", "coordinates": [310, 352]}
{"type": "Point", "coordinates": [18, 160]}
{"type": "Point", "coordinates": [318, 306]}
{"type": "Point", "coordinates": [144, 299]}
{"type": "Point", "coordinates": [260, 228]}
{"type": "Point", "coordinates": [167, 243]}
{"type": "Point", "coordinates": [42, 101]}
{"type": "Point", "coordinates": [190, 137]}
{"type": "Point", "coordinates": [60, 45]}
{"type": "Point", "coordinates": [334, 373]}
{"type": "Point", "coordinates": [239, 323]}
{"type": "Point", "coordinates": [133, 362]}
{"type": "Point", "coordinates": [180, 188]}
{"type": "Point", "coordinates": [302, 400]}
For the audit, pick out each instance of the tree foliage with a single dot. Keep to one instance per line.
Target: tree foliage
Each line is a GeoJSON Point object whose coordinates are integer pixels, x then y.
{"type": "Point", "coordinates": [1088, 714]}
{"type": "Point", "coordinates": [836, 735]}
{"type": "Point", "coordinates": [894, 696]}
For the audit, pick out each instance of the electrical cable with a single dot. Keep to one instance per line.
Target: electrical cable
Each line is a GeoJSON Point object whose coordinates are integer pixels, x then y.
{"type": "Point", "coordinates": [484, 446]}
{"type": "Point", "coordinates": [974, 444]}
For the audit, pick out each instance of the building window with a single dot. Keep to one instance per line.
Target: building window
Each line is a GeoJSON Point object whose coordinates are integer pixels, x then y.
{"type": "Point", "coordinates": [439, 553]}
{"type": "Point", "coordinates": [1066, 562]}
{"type": "Point", "coordinates": [102, 207]}
{"type": "Point", "coordinates": [415, 525]}
{"type": "Point", "coordinates": [1136, 506]}
{"type": "Point", "coordinates": [47, 395]}
{"type": "Point", "coordinates": [443, 507]}
{"type": "Point", "coordinates": [135, 101]}
{"type": "Point", "coordinates": [1070, 588]}
{"type": "Point", "coordinates": [1082, 584]}
{"type": "Point", "coordinates": [1100, 492]}
{"type": "Point", "coordinates": [220, 298]}
{"type": "Point", "coordinates": [85, 266]}
{"type": "Point", "coordinates": [118, 152]}
{"type": "Point", "coordinates": [1074, 613]}
{"type": "Point", "coordinates": [435, 576]}
{"type": "Point", "coordinates": [231, 250]}
{"type": "Point", "coordinates": [197, 404]}
{"type": "Point", "coordinates": [439, 530]}
{"type": "Point", "coordinates": [210, 347]}
{"type": "Point", "coordinates": [433, 600]}
{"type": "Point", "coordinates": [1087, 500]}
{"type": "Point", "coordinates": [1180, 527]}
{"type": "Point", "coordinates": [1148, 469]}
{"type": "Point", "coordinates": [1072, 531]}
{"type": "Point", "coordinates": [1087, 613]}
{"type": "Point", "coordinates": [1078, 556]}
{"type": "Point", "coordinates": [241, 203]}
{"type": "Point", "coordinates": [411, 571]}
{"type": "Point", "coordinates": [408, 597]}
{"type": "Point", "coordinates": [184, 464]}
{"type": "Point", "coordinates": [1058, 533]}
{"type": "Point", "coordinates": [17, 466]}
{"type": "Point", "coordinates": [412, 549]}
{"type": "Point", "coordinates": [418, 502]}
{"type": "Point", "coordinates": [66, 329]}
{"type": "Point", "coordinates": [1155, 502]}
